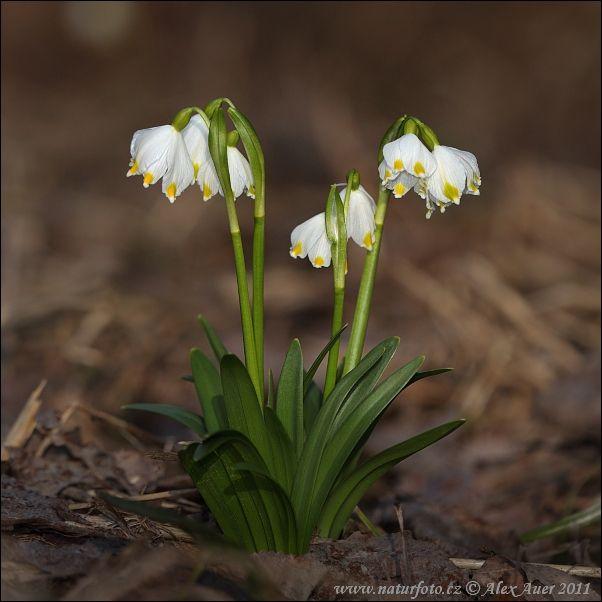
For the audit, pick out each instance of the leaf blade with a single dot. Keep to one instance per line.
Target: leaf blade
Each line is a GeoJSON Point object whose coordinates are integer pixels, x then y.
{"type": "Point", "coordinates": [343, 500]}
{"type": "Point", "coordinates": [189, 419]}
{"type": "Point", "coordinates": [289, 396]}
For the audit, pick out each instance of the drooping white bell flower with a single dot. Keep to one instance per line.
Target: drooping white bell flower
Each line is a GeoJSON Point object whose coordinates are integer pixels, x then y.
{"type": "Point", "coordinates": [409, 154]}
{"type": "Point", "coordinates": [449, 180]}
{"type": "Point", "coordinates": [359, 217]}
{"type": "Point", "coordinates": [241, 176]}
{"type": "Point", "coordinates": [158, 151]}
{"type": "Point", "coordinates": [309, 239]}
{"type": "Point", "coordinates": [196, 137]}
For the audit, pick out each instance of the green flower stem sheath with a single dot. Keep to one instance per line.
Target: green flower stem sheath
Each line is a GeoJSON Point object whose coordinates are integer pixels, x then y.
{"type": "Point", "coordinates": [258, 281]}
{"type": "Point", "coordinates": [243, 295]}
{"type": "Point", "coordinates": [364, 296]}
{"type": "Point", "coordinates": [339, 267]}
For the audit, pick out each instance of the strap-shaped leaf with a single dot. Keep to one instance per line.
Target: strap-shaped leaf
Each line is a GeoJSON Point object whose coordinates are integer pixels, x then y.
{"type": "Point", "coordinates": [363, 389]}
{"type": "Point", "coordinates": [347, 494]}
{"type": "Point", "coordinates": [209, 390]}
{"type": "Point", "coordinates": [271, 403]}
{"type": "Point", "coordinates": [232, 497]}
{"type": "Point", "coordinates": [312, 402]}
{"type": "Point", "coordinates": [241, 403]}
{"type": "Point", "coordinates": [286, 530]}
{"type": "Point", "coordinates": [567, 524]}
{"type": "Point", "coordinates": [289, 398]}
{"type": "Point", "coordinates": [427, 374]}
{"type": "Point", "coordinates": [341, 445]}
{"type": "Point", "coordinates": [282, 460]}
{"type": "Point", "coordinates": [306, 507]}
{"type": "Point", "coordinates": [218, 347]}
{"type": "Point", "coordinates": [193, 421]}
{"type": "Point", "coordinates": [309, 375]}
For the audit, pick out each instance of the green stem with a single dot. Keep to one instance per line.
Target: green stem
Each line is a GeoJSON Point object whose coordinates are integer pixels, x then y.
{"type": "Point", "coordinates": [243, 295]}
{"type": "Point", "coordinates": [364, 296]}
{"type": "Point", "coordinates": [333, 354]}
{"type": "Point", "coordinates": [339, 267]}
{"type": "Point", "coordinates": [258, 283]}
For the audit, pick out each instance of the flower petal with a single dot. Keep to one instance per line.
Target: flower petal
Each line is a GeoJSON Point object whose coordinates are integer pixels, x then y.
{"type": "Point", "coordinates": [447, 183]}
{"type": "Point", "coordinates": [180, 173]}
{"type": "Point", "coordinates": [196, 138]}
{"type": "Point", "coordinates": [360, 217]}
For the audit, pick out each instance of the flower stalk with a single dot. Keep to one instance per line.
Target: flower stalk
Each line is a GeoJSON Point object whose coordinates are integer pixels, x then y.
{"type": "Point", "coordinates": [364, 296]}
{"type": "Point", "coordinates": [337, 233]}
{"type": "Point", "coordinates": [218, 148]}
{"type": "Point", "coordinates": [254, 151]}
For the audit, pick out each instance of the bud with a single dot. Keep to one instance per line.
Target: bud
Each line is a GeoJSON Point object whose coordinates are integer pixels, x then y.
{"type": "Point", "coordinates": [428, 137]}
{"type": "Point", "coordinates": [410, 126]}
{"type": "Point", "coordinates": [232, 138]}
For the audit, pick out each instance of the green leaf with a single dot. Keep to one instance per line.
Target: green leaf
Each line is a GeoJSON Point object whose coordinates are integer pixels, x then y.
{"type": "Point", "coordinates": [341, 445]}
{"type": "Point", "coordinates": [241, 403]}
{"type": "Point", "coordinates": [306, 506]}
{"type": "Point", "coordinates": [193, 421]}
{"type": "Point", "coordinates": [309, 375]}
{"type": "Point", "coordinates": [363, 389]}
{"type": "Point", "coordinates": [209, 390]}
{"type": "Point", "coordinates": [218, 347]}
{"type": "Point", "coordinates": [252, 146]}
{"type": "Point", "coordinates": [233, 498]}
{"type": "Point", "coordinates": [271, 390]}
{"type": "Point", "coordinates": [312, 402]}
{"type": "Point", "coordinates": [258, 504]}
{"type": "Point", "coordinates": [344, 498]}
{"type": "Point", "coordinates": [567, 524]}
{"type": "Point", "coordinates": [289, 398]}
{"type": "Point", "coordinates": [427, 374]}
{"type": "Point", "coordinates": [282, 461]}
{"type": "Point", "coordinates": [286, 530]}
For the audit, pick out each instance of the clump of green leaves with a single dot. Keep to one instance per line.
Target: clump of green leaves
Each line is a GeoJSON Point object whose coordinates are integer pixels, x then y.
{"type": "Point", "coordinates": [275, 473]}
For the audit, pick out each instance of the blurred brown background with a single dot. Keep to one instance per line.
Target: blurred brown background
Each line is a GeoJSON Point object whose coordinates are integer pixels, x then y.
{"type": "Point", "coordinates": [102, 280]}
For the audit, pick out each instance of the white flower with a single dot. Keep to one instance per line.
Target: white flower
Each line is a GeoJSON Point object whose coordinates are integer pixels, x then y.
{"type": "Point", "coordinates": [410, 155]}
{"type": "Point", "coordinates": [241, 177]}
{"type": "Point", "coordinates": [359, 218]}
{"type": "Point", "coordinates": [446, 185]}
{"type": "Point", "coordinates": [309, 239]}
{"type": "Point", "coordinates": [160, 152]}
{"type": "Point", "coordinates": [196, 137]}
